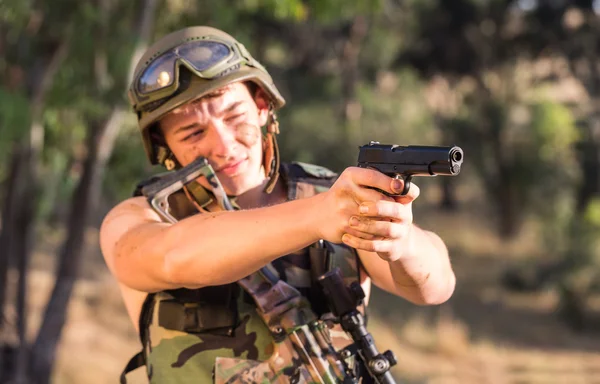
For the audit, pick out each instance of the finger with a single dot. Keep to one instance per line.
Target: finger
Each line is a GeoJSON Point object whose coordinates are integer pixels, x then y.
{"type": "Point", "coordinates": [386, 209]}
{"type": "Point", "coordinates": [372, 178]}
{"type": "Point", "coordinates": [362, 235]}
{"type": "Point", "coordinates": [363, 194]}
{"type": "Point", "coordinates": [378, 228]}
{"type": "Point", "coordinates": [383, 246]}
{"type": "Point", "coordinates": [413, 192]}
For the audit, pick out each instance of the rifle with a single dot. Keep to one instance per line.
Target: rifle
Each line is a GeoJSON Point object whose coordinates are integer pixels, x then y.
{"type": "Point", "coordinates": [157, 193]}
{"type": "Point", "coordinates": [343, 302]}
{"type": "Point", "coordinates": [413, 160]}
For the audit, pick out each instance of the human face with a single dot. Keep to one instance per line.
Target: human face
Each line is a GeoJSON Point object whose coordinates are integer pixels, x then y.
{"type": "Point", "coordinates": [225, 128]}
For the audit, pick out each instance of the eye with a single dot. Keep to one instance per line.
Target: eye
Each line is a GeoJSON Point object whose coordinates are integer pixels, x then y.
{"type": "Point", "coordinates": [234, 117]}
{"type": "Point", "coordinates": [195, 134]}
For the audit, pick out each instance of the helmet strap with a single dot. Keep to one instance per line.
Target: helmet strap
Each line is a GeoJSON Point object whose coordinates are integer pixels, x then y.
{"type": "Point", "coordinates": [271, 151]}
{"type": "Point", "coordinates": [171, 162]}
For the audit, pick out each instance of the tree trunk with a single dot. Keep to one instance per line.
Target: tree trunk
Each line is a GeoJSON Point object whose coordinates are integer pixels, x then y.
{"type": "Point", "coordinates": [448, 202]}
{"type": "Point", "coordinates": [25, 209]}
{"type": "Point", "coordinates": [9, 233]}
{"type": "Point", "coordinates": [11, 196]}
{"type": "Point", "coordinates": [100, 143]}
{"type": "Point", "coordinates": [447, 184]}
{"type": "Point", "coordinates": [69, 260]}
{"type": "Point", "coordinates": [24, 231]}
{"type": "Point", "coordinates": [509, 219]}
{"type": "Point", "coordinates": [590, 166]}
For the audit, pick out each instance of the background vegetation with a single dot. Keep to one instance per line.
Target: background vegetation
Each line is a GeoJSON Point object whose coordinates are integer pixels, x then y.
{"type": "Point", "coordinates": [516, 84]}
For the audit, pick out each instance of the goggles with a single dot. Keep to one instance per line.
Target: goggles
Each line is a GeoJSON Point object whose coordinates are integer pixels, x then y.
{"type": "Point", "coordinates": [206, 57]}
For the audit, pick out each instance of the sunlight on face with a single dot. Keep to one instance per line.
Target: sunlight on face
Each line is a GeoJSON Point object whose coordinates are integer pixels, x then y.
{"type": "Point", "coordinates": [225, 128]}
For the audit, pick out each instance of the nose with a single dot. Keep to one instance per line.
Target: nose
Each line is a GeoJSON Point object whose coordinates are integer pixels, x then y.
{"type": "Point", "coordinates": [224, 140]}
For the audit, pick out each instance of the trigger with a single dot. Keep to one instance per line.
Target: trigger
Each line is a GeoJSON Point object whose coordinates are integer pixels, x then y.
{"type": "Point", "coordinates": [406, 185]}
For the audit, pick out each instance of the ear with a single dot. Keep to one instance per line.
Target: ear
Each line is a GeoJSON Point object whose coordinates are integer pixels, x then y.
{"type": "Point", "coordinates": [262, 103]}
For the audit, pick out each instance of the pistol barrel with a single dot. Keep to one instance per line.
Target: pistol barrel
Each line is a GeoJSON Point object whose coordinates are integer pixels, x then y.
{"type": "Point", "coordinates": [413, 160]}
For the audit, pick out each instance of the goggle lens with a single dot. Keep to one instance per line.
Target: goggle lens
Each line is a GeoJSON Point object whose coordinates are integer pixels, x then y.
{"type": "Point", "coordinates": [158, 75]}
{"type": "Point", "coordinates": [201, 55]}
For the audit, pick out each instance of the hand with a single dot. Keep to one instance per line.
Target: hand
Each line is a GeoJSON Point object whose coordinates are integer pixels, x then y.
{"type": "Point", "coordinates": [381, 227]}
{"type": "Point", "coordinates": [384, 226]}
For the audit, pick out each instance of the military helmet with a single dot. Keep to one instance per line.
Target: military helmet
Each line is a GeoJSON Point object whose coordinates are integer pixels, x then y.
{"type": "Point", "coordinates": [186, 65]}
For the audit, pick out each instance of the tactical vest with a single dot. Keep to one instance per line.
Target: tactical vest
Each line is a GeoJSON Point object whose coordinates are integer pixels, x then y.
{"type": "Point", "coordinates": [187, 334]}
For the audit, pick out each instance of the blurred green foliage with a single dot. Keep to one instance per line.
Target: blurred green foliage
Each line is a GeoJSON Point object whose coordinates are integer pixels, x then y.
{"type": "Point", "coordinates": [426, 72]}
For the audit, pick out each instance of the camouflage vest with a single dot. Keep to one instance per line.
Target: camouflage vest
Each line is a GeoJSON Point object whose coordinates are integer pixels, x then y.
{"type": "Point", "coordinates": [191, 336]}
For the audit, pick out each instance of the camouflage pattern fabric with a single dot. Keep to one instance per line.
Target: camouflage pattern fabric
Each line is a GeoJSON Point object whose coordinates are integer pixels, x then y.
{"type": "Point", "coordinates": [315, 363]}
{"type": "Point", "coordinates": [249, 353]}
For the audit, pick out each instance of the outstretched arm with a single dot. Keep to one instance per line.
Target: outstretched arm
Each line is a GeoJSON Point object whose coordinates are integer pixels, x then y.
{"type": "Point", "coordinates": [206, 249]}
{"type": "Point", "coordinates": [400, 257]}
{"type": "Point", "coordinates": [424, 278]}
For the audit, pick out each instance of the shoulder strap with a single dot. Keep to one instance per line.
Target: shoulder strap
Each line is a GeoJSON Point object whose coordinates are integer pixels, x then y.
{"type": "Point", "coordinates": [137, 361]}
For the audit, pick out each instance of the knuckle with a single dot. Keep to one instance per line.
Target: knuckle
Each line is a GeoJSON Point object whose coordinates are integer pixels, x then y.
{"type": "Point", "coordinates": [341, 205]}
{"type": "Point", "coordinates": [398, 211]}
{"type": "Point", "coordinates": [378, 246]}
{"type": "Point", "coordinates": [377, 209]}
{"type": "Point", "coordinates": [344, 224]}
{"type": "Point", "coordinates": [367, 176]}
{"type": "Point", "coordinates": [370, 176]}
{"type": "Point", "coordinates": [392, 231]}
{"type": "Point", "coordinates": [350, 173]}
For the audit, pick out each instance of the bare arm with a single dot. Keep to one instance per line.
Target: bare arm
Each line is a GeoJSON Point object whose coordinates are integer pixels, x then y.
{"type": "Point", "coordinates": [399, 256]}
{"type": "Point", "coordinates": [207, 249]}
{"type": "Point", "coordinates": [424, 276]}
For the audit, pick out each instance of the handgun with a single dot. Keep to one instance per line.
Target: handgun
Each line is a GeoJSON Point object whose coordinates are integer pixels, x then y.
{"type": "Point", "coordinates": [413, 160]}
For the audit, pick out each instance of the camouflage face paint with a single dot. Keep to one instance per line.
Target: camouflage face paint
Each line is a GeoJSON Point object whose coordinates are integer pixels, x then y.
{"type": "Point", "coordinates": [248, 134]}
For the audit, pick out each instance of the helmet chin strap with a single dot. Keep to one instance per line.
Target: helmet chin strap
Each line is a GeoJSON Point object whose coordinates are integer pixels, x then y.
{"type": "Point", "coordinates": [271, 151]}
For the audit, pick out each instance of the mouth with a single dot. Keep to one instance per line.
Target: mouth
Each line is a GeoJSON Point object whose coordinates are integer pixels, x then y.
{"type": "Point", "coordinates": [230, 169]}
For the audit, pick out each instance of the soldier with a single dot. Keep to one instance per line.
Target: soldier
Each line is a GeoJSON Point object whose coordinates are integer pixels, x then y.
{"type": "Point", "coordinates": [198, 92]}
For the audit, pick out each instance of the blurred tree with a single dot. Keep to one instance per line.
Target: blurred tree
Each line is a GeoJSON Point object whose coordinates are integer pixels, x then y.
{"type": "Point", "coordinates": [30, 64]}
{"type": "Point", "coordinates": [68, 80]}
{"type": "Point", "coordinates": [101, 135]}
{"type": "Point", "coordinates": [477, 48]}
{"type": "Point", "coordinates": [482, 44]}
